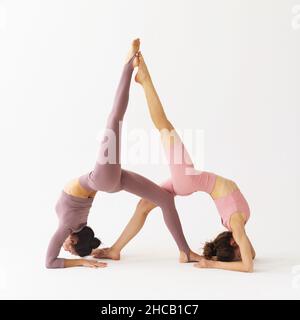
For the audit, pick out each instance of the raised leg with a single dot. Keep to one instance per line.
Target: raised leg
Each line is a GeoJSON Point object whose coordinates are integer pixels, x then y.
{"type": "Point", "coordinates": [180, 163]}
{"type": "Point", "coordinates": [106, 175]}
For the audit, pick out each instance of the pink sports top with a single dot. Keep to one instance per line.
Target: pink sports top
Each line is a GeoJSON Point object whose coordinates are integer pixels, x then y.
{"type": "Point", "coordinates": [233, 202]}
{"type": "Point", "coordinates": [205, 181]}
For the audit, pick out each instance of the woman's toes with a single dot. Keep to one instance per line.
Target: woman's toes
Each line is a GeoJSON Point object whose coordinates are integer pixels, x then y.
{"type": "Point", "coordinates": [136, 44]}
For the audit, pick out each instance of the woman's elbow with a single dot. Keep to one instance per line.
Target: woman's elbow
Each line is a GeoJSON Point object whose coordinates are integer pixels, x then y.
{"type": "Point", "coordinates": [54, 263]}
{"type": "Point", "coordinates": [248, 268]}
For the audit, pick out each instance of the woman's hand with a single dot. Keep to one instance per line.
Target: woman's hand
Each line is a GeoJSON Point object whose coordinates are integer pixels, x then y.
{"type": "Point", "coordinates": [193, 257]}
{"type": "Point", "coordinates": [93, 263]}
{"type": "Point", "coordinates": [204, 263]}
{"type": "Point", "coordinates": [106, 253]}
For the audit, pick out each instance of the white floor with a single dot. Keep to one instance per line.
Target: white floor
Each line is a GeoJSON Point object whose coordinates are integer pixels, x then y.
{"type": "Point", "coordinates": [150, 276]}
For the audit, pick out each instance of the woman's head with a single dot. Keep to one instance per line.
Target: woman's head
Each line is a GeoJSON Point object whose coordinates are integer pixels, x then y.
{"type": "Point", "coordinates": [82, 243]}
{"type": "Point", "coordinates": [223, 248]}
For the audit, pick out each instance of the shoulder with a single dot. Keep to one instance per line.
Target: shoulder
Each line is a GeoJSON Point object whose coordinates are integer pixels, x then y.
{"type": "Point", "coordinates": [237, 222]}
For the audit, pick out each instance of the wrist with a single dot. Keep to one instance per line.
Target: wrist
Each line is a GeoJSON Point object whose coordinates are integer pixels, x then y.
{"type": "Point", "coordinates": [212, 263]}
{"type": "Point", "coordinates": [81, 262]}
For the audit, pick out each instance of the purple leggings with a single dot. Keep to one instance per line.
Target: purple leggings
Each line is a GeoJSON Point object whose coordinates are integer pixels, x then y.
{"type": "Point", "coordinates": [108, 175]}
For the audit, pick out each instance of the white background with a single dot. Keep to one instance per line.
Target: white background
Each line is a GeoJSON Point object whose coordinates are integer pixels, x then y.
{"type": "Point", "coordinates": [230, 68]}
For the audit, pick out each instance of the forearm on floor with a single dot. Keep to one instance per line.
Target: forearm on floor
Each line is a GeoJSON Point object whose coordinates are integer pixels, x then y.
{"type": "Point", "coordinates": [69, 263]}
{"type": "Point", "coordinates": [232, 266]}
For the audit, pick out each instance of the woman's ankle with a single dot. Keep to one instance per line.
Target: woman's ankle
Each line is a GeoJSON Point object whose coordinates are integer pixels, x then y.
{"type": "Point", "coordinates": [115, 250]}
{"type": "Point", "coordinates": [183, 258]}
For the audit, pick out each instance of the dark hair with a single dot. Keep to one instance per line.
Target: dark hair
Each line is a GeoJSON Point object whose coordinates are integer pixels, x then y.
{"type": "Point", "coordinates": [86, 242]}
{"type": "Point", "coordinates": [221, 248]}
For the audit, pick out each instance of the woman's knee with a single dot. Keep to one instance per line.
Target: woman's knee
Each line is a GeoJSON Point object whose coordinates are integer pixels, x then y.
{"type": "Point", "coordinates": [167, 200]}
{"type": "Point", "coordinates": [106, 178]}
{"type": "Point", "coordinates": [145, 206]}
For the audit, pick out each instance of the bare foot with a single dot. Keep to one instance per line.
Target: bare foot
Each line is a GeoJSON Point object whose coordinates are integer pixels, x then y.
{"type": "Point", "coordinates": [106, 253]}
{"type": "Point", "coordinates": [194, 257]}
{"type": "Point", "coordinates": [143, 74]}
{"type": "Point", "coordinates": [183, 257]}
{"type": "Point", "coordinates": [135, 47]}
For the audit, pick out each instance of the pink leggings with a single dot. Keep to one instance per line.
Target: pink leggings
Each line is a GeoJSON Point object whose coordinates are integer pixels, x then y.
{"type": "Point", "coordinates": [185, 179]}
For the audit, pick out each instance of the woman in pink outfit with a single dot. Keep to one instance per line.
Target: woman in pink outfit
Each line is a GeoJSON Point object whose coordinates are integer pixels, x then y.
{"type": "Point", "coordinates": [232, 249]}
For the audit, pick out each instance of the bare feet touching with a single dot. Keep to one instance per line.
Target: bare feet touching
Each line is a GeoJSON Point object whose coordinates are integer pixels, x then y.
{"type": "Point", "coordinates": [135, 47]}
{"type": "Point", "coordinates": [194, 257]}
{"type": "Point", "coordinates": [106, 253]}
{"type": "Point", "coordinates": [143, 73]}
